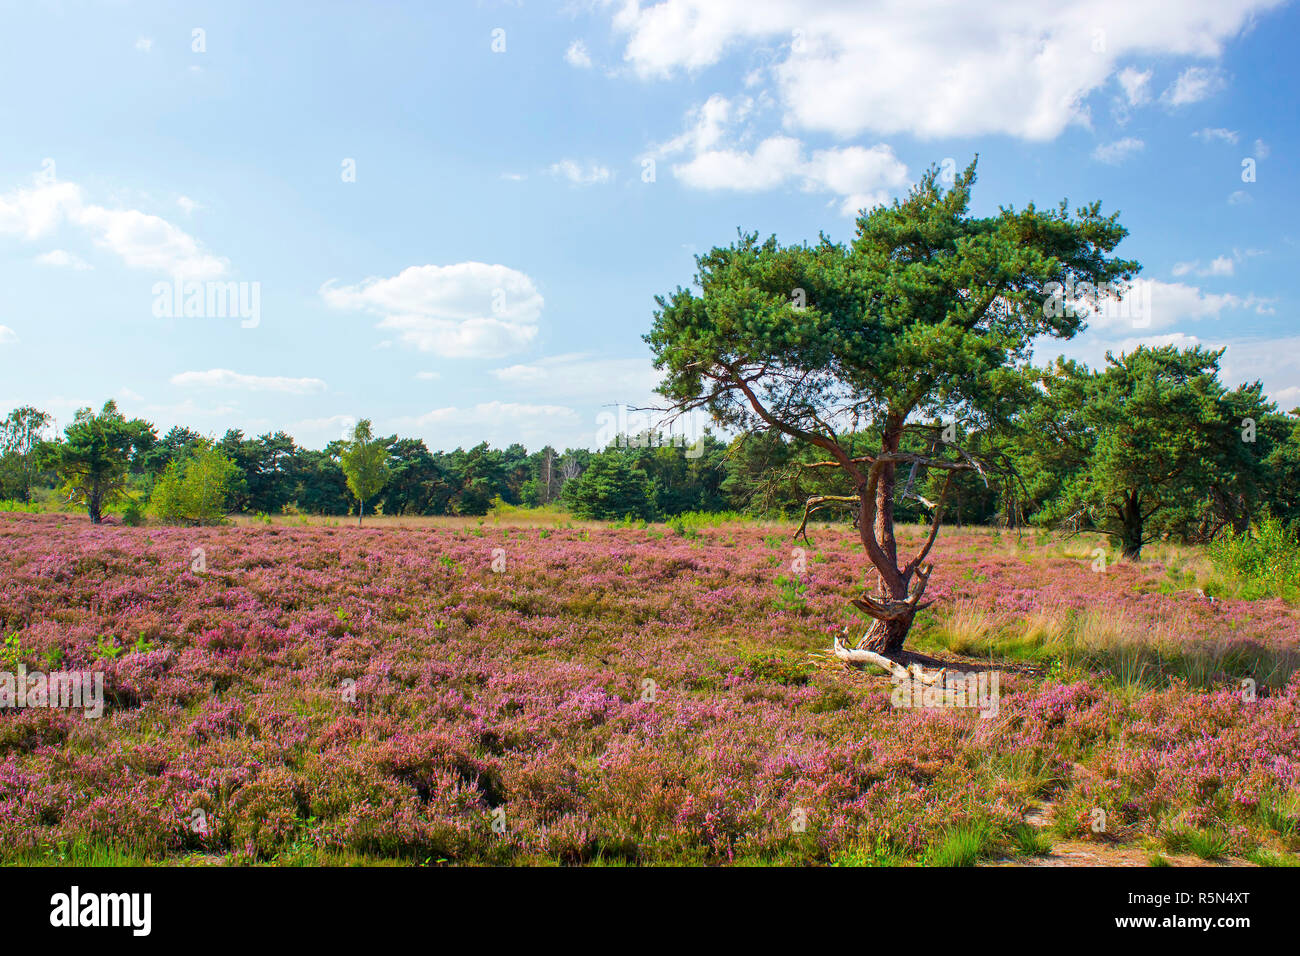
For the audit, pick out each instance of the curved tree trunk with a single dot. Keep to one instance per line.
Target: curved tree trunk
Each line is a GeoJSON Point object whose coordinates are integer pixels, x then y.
{"type": "Point", "coordinates": [876, 528]}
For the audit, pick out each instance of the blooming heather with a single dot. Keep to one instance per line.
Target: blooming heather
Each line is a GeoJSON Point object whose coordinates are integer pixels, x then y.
{"type": "Point", "coordinates": [617, 694]}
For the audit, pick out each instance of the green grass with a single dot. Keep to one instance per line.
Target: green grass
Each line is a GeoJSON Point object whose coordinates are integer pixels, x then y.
{"type": "Point", "coordinates": [1030, 841]}
{"type": "Point", "coordinates": [962, 846]}
{"type": "Point", "coordinates": [1208, 844]}
{"type": "Point", "coordinates": [1265, 857]}
{"type": "Point", "coordinates": [76, 854]}
{"type": "Point", "coordinates": [877, 853]}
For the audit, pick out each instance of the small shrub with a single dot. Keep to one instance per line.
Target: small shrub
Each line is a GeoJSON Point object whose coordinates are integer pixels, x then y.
{"type": "Point", "coordinates": [1263, 562]}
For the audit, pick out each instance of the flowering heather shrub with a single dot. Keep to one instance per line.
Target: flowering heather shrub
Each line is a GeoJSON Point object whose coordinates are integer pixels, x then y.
{"type": "Point", "coordinates": [326, 694]}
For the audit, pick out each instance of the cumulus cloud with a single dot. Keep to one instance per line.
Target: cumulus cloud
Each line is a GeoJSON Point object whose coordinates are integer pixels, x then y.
{"type": "Point", "coordinates": [717, 160]}
{"type": "Point", "coordinates": [225, 378]}
{"type": "Point", "coordinates": [1153, 304]}
{"type": "Point", "coordinates": [1118, 151]}
{"type": "Point", "coordinates": [1020, 68]}
{"type": "Point", "coordinates": [774, 161]}
{"type": "Point", "coordinates": [465, 310]}
{"type": "Point", "coordinates": [7, 335]}
{"type": "Point", "coordinates": [139, 239]}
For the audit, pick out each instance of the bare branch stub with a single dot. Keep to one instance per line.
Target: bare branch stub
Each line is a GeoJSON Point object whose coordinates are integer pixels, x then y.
{"type": "Point", "coordinates": [819, 503]}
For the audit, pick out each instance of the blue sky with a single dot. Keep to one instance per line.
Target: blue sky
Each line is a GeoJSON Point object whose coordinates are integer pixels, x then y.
{"type": "Point", "coordinates": [446, 210]}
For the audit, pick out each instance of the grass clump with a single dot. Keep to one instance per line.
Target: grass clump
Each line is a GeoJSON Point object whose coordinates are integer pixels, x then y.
{"type": "Point", "coordinates": [962, 846]}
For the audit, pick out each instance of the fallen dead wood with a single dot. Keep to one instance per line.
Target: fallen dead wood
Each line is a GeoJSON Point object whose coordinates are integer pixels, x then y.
{"type": "Point", "coordinates": [858, 655]}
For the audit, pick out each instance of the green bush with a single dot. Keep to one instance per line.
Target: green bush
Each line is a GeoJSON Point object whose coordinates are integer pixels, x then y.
{"type": "Point", "coordinates": [197, 489]}
{"type": "Point", "coordinates": [133, 515]}
{"type": "Point", "coordinates": [1263, 562]}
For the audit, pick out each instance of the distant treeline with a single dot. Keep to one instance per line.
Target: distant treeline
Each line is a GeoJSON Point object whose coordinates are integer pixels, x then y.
{"type": "Point", "coordinates": [1151, 446]}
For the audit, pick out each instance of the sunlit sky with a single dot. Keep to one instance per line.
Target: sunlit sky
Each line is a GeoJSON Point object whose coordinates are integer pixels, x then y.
{"type": "Point", "coordinates": [455, 216]}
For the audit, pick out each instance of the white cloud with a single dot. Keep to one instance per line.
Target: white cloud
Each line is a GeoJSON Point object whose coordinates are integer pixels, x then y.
{"type": "Point", "coordinates": [1193, 85]}
{"type": "Point", "coordinates": [1219, 266]}
{"type": "Point", "coordinates": [1261, 149]}
{"type": "Point", "coordinates": [1020, 67]}
{"type": "Point", "coordinates": [1239, 197]}
{"type": "Point", "coordinates": [328, 428]}
{"type": "Point", "coordinates": [773, 162]}
{"type": "Point", "coordinates": [7, 335]}
{"type": "Point", "coordinates": [145, 241]}
{"type": "Point", "coordinates": [63, 259]}
{"type": "Point", "coordinates": [1136, 85]}
{"type": "Point", "coordinates": [707, 124]}
{"type": "Point", "coordinates": [577, 55]}
{"type": "Point", "coordinates": [36, 212]}
{"type": "Point", "coordinates": [1274, 362]}
{"type": "Point", "coordinates": [188, 205]}
{"type": "Point", "coordinates": [1158, 305]}
{"type": "Point", "coordinates": [427, 376]}
{"type": "Point", "coordinates": [861, 177]}
{"type": "Point", "coordinates": [1118, 151]}
{"type": "Point", "coordinates": [579, 174]}
{"type": "Point", "coordinates": [465, 310]}
{"type": "Point", "coordinates": [1207, 134]}
{"type": "Point", "coordinates": [144, 44]}
{"type": "Point", "coordinates": [141, 240]}
{"type": "Point", "coordinates": [225, 378]}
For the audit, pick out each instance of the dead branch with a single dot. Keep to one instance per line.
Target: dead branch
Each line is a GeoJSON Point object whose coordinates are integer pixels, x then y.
{"type": "Point", "coordinates": [818, 503]}
{"type": "Point", "coordinates": [857, 655]}
{"type": "Point", "coordinates": [934, 529]}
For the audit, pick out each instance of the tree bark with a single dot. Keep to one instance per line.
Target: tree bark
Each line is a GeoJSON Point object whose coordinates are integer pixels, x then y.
{"type": "Point", "coordinates": [887, 637]}
{"type": "Point", "coordinates": [1131, 528]}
